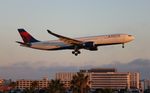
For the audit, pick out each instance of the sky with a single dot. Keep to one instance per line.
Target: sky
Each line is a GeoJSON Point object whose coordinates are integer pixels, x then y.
{"type": "Point", "coordinates": [72, 18]}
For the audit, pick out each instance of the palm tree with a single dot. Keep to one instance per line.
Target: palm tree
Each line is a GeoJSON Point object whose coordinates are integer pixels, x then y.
{"type": "Point", "coordinates": [56, 86]}
{"type": "Point", "coordinates": [13, 84]}
{"type": "Point", "coordinates": [74, 84]}
{"type": "Point", "coordinates": [107, 91]}
{"type": "Point", "coordinates": [79, 83]}
{"type": "Point", "coordinates": [27, 91]}
{"type": "Point", "coordinates": [34, 86]}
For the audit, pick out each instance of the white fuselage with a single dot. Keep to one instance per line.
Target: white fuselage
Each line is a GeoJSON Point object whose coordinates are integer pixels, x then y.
{"type": "Point", "coordinates": [97, 40]}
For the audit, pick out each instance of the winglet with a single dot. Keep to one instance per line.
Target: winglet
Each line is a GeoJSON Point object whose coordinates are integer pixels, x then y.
{"type": "Point", "coordinates": [50, 32]}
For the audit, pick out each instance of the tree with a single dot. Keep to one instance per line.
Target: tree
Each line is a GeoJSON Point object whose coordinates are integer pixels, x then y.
{"type": "Point", "coordinates": [56, 86]}
{"type": "Point", "coordinates": [34, 86]}
{"type": "Point", "coordinates": [107, 91]}
{"type": "Point", "coordinates": [13, 84]}
{"type": "Point", "coordinates": [79, 83]}
{"type": "Point", "coordinates": [27, 91]}
{"type": "Point", "coordinates": [74, 84]}
{"type": "Point", "coordinates": [104, 91]}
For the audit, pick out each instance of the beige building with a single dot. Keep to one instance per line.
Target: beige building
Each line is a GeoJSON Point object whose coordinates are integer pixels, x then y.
{"type": "Point", "coordinates": [146, 84]}
{"type": "Point", "coordinates": [135, 80]}
{"type": "Point", "coordinates": [65, 78]}
{"type": "Point", "coordinates": [112, 80]}
{"type": "Point", "coordinates": [23, 84]}
{"type": "Point", "coordinates": [104, 78]}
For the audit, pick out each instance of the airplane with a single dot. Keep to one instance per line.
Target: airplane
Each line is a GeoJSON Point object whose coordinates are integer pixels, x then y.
{"type": "Point", "coordinates": [89, 43]}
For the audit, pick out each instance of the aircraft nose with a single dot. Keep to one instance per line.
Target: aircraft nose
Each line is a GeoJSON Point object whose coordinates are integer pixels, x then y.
{"type": "Point", "coordinates": [131, 37]}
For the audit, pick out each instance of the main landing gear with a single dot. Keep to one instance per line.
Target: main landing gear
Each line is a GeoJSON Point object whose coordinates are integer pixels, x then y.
{"type": "Point", "coordinates": [76, 52]}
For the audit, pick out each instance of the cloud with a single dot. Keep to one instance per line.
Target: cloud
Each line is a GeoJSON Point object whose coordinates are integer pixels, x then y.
{"type": "Point", "coordinates": [138, 65]}
{"type": "Point", "coordinates": [26, 70]}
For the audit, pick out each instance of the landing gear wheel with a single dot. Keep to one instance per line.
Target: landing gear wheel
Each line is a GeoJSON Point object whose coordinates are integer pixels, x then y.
{"type": "Point", "coordinates": [76, 52]}
{"type": "Point", "coordinates": [73, 52]}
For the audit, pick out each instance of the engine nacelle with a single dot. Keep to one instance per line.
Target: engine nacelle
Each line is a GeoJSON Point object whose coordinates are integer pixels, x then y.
{"type": "Point", "coordinates": [90, 46]}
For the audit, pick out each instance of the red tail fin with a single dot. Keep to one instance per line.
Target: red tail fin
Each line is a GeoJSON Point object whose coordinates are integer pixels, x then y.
{"type": "Point", "coordinates": [27, 38]}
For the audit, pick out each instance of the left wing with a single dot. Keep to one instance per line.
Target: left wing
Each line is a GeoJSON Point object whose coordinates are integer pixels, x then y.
{"type": "Point", "coordinates": [66, 39]}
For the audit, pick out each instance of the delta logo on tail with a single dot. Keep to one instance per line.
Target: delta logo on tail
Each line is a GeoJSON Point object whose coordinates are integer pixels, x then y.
{"type": "Point", "coordinates": [76, 44]}
{"type": "Point", "coordinates": [27, 38]}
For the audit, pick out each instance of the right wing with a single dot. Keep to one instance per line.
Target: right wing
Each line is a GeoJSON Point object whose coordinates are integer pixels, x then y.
{"type": "Point", "coordinates": [66, 39]}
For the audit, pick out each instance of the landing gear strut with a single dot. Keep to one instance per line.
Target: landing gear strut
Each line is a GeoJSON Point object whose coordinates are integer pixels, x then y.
{"type": "Point", "coordinates": [122, 45]}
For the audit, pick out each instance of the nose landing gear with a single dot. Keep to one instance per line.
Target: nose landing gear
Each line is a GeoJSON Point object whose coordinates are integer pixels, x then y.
{"type": "Point", "coordinates": [122, 45]}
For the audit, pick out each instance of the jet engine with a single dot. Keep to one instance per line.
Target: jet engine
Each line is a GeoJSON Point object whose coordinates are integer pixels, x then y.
{"type": "Point", "coordinates": [90, 46]}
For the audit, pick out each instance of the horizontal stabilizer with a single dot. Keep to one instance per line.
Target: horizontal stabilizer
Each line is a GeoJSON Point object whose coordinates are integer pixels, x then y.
{"type": "Point", "coordinates": [24, 44]}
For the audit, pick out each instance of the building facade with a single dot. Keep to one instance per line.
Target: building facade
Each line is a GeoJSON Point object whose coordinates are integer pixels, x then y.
{"type": "Point", "coordinates": [104, 78]}
{"type": "Point", "coordinates": [65, 78]}
{"type": "Point", "coordinates": [135, 80]}
{"type": "Point", "coordinates": [146, 84]}
{"type": "Point", "coordinates": [110, 80]}
{"type": "Point", "coordinates": [23, 84]}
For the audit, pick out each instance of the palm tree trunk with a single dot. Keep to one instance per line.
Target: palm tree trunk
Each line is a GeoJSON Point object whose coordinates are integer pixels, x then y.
{"type": "Point", "coordinates": [81, 89]}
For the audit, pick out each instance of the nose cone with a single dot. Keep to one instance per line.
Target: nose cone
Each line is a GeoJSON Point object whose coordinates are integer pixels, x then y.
{"type": "Point", "coordinates": [131, 37]}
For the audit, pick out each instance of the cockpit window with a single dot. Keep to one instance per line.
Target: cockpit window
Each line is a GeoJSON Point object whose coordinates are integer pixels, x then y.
{"type": "Point", "coordinates": [129, 35]}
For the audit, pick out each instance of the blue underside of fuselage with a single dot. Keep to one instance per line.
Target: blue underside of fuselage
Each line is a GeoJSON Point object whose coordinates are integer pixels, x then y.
{"type": "Point", "coordinates": [72, 47]}
{"type": "Point", "coordinates": [62, 48]}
